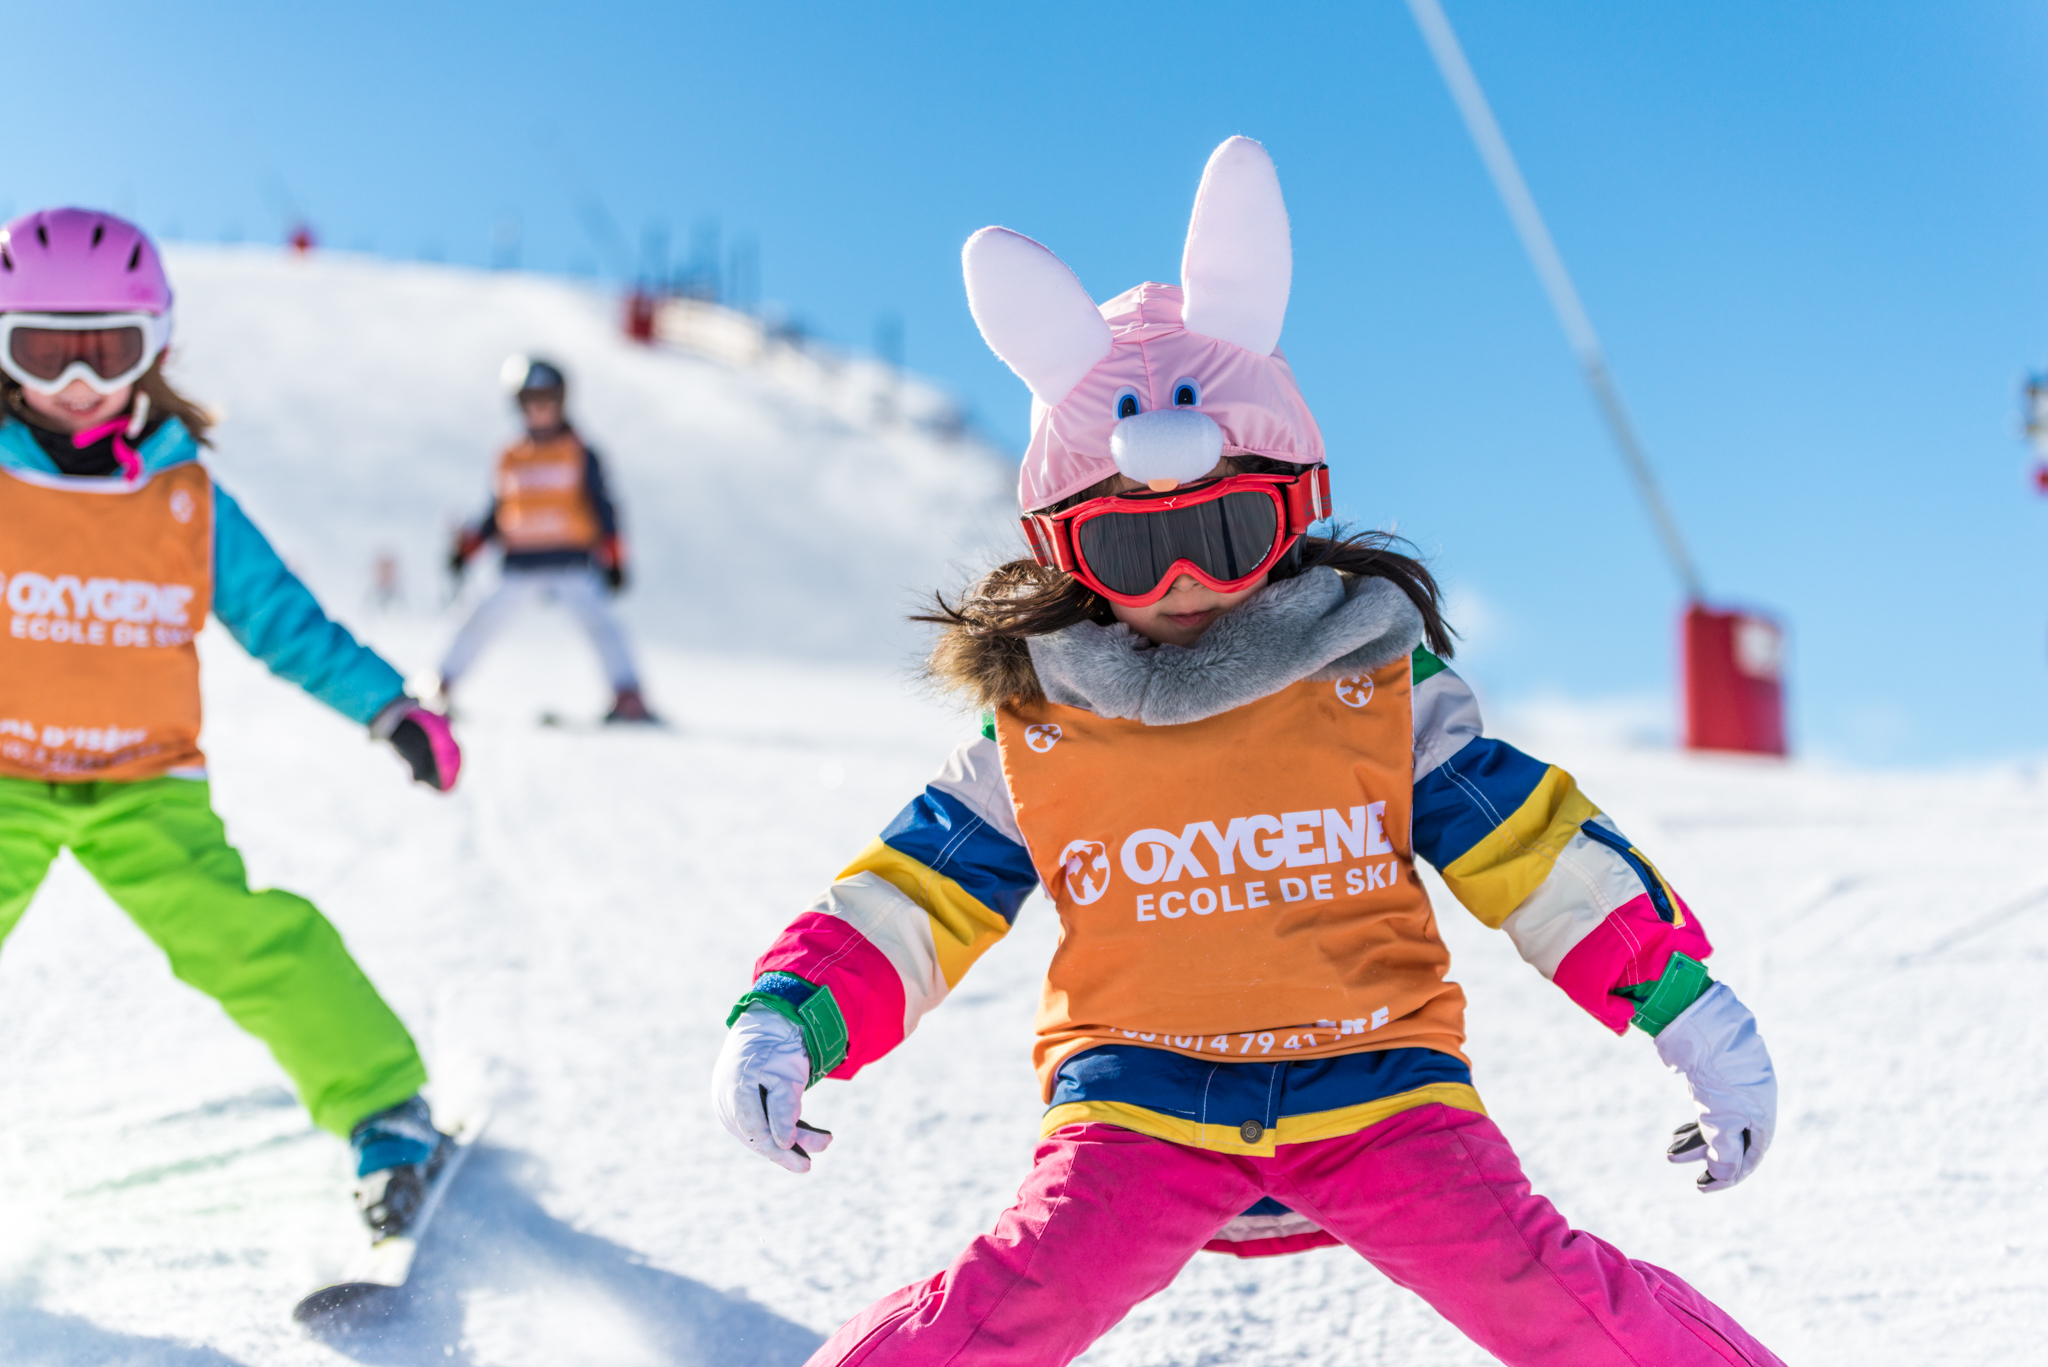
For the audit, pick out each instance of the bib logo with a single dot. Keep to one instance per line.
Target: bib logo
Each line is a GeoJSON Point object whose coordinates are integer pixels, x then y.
{"type": "Point", "coordinates": [1087, 866]}
{"type": "Point", "coordinates": [1324, 838]}
{"type": "Point", "coordinates": [96, 612]}
{"type": "Point", "coordinates": [1042, 738]}
{"type": "Point", "coordinates": [182, 505]}
{"type": "Point", "coordinates": [1262, 842]}
{"type": "Point", "coordinates": [551, 475]}
{"type": "Point", "coordinates": [1355, 691]}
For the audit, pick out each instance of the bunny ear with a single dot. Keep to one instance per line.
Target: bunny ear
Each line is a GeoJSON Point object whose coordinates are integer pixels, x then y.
{"type": "Point", "coordinates": [1238, 264]}
{"type": "Point", "coordinates": [1033, 312]}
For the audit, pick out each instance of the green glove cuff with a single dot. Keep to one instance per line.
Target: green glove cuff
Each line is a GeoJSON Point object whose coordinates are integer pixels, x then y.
{"type": "Point", "coordinates": [1661, 1002]}
{"type": "Point", "coordinates": [816, 1018]}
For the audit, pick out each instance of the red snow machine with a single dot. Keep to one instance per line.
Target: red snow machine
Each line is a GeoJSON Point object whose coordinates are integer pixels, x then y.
{"type": "Point", "coordinates": [1734, 681]}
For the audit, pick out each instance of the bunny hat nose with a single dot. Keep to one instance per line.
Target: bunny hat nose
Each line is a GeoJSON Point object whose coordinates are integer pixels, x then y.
{"type": "Point", "coordinates": [1167, 447]}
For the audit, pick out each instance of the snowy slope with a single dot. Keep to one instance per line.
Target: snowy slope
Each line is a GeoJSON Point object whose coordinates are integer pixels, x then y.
{"type": "Point", "coordinates": [565, 934]}
{"type": "Point", "coordinates": [766, 506]}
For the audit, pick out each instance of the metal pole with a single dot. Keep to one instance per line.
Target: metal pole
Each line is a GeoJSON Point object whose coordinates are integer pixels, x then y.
{"type": "Point", "coordinates": [1557, 282]}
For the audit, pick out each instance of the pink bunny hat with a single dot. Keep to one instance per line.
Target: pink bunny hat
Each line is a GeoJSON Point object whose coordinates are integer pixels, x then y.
{"type": "Point", "coordinates": [1160, 381]}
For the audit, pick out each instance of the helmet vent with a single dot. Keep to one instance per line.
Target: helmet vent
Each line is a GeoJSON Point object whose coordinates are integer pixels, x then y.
{"type": "Point", "coordinates": [135, 257]}
{"type": "Point", "coordinates": [6, 261]}
{"type": "Point", "coordinates": [42, 235]}
{"type": "Point", "coordinates": [99, 230]}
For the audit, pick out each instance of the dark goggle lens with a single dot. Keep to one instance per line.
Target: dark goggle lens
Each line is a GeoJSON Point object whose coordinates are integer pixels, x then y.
{"type": "Point", "coordinates": [1226, 537]}
{"type": "Point", "coordinates": [47, 352]}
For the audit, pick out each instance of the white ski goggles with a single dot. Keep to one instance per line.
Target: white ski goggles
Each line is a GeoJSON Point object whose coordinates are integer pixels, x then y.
{"type": "Point", "coordinates": [47, 351]}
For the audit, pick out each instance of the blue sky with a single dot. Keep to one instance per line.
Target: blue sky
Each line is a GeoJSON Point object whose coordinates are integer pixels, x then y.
{"type": "Point", "coordinates": [1811, 236]}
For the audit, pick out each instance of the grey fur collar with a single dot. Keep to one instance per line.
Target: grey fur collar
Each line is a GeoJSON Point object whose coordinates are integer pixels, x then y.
{"type": "Point", "coordinates": [1316, 625]}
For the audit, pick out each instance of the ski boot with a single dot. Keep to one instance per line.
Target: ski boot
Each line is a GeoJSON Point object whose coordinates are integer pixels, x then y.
{"type": "Point", "coordinates": [398, 1151]}
{"type": "Point", "coordinates": [629, 706]}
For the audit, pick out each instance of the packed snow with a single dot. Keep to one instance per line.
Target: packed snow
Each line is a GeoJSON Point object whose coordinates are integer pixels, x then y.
{"type": "Point", "coordinates": [566, 932]}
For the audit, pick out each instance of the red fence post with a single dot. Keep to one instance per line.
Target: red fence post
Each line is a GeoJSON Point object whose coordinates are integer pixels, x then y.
{"type": "Point", "coordinates": [1734, 681]}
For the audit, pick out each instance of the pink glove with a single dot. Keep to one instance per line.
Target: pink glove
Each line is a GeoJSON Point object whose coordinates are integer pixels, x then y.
{"type": "Point", "coordinates": [423, 739]}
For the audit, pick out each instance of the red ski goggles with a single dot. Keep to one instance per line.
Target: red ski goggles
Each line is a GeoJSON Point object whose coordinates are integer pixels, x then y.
{"type": "Point", "coordinates": [1225, 532]}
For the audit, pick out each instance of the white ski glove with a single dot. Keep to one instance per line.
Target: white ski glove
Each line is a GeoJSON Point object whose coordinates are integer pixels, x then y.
{"type": "Point", "coordinates": [757, 1089]}
{"type": "Point", "coordinates": [1714, 1046]}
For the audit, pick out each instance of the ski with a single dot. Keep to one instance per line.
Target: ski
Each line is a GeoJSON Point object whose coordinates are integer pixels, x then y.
{"type": "Point", "coordinates": [556, 721]}
{"type": "Point", "coordinates": [385, 1265]}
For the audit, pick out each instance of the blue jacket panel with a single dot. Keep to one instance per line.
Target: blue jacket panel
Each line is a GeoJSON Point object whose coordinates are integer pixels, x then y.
{"type": "Point", "coordinates": [277, 619]}
{"type": "Point", "coordinates": [261, 603]}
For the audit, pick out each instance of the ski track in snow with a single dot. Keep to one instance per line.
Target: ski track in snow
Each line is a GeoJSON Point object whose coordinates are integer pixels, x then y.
{"type": "Point", "coordinates": [566, 933]}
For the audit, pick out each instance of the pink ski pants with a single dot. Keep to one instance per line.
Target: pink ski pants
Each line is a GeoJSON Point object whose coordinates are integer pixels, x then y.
{"type": "Point", "coordinates": [1432, 1197]}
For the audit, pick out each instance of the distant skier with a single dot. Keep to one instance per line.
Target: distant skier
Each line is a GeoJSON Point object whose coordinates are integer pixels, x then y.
{"type": "Point", "coordinates": [551, 512]}
{"type": "Point", "coordinates": [1219, 743]}
{"type": "Point", "coordinates": [115, 545]}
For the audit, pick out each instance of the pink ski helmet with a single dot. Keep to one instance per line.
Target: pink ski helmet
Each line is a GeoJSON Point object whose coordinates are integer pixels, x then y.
{"type": "Point", "coordinates": [1160, 381]}
{"type": "Point", "coordinates": [80, 261]}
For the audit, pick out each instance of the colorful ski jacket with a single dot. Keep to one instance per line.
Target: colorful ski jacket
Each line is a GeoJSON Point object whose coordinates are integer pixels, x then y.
{"type": "Point", "coordinates": [105, 584]}
{"type": "Point", "coordinates": [1227, 833]}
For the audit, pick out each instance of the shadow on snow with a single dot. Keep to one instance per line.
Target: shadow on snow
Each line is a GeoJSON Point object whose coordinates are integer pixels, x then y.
{"type": "Point", "coordinates": [500, 1279]}
{"type": "Point", "coordinates": [38, 1338]}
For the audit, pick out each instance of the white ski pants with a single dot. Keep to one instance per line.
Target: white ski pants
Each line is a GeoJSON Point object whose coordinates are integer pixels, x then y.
{"type": "Point", "coordinates": [575, 587]}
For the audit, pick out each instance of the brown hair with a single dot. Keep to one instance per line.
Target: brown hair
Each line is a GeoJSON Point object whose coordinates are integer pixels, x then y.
{"type": "Point", "coordinates": [164, 402]}
{"type": "Point", "coordinates": [982, 646]}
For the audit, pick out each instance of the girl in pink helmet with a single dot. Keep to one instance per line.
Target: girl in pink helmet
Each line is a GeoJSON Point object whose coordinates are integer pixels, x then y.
{"type": "Point", "coordinates": [115, 546]}
{"type": "Point", "coordinates": [1219, 743]}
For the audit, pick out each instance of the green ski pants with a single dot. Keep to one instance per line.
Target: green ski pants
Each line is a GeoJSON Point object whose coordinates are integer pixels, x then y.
{"type": "Point", "coordinates": [270, 958]}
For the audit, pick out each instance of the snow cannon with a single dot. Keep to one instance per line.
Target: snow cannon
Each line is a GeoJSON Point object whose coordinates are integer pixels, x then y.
{"type": "Point", "coordinates": [1734, 690]}
{"type": "Point", "coordinates": [1734, 681]}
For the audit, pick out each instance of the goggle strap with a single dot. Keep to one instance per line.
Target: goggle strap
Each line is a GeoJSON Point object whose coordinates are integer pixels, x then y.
{"type": "Point", "coordinates": [1047, 540]}
{"type": "Point", "coordinates": [1308, 500]}
{"type": "Point", "coordinates": [1032, 538]}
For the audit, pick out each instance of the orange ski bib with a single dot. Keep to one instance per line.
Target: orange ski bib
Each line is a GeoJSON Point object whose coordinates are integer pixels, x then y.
{"type": "Point", "coordinates": [1237, 888]}
{"type": "Point", "coordinates": [542, 504]}
{"type": "Point", "coordinates": [104, 585]}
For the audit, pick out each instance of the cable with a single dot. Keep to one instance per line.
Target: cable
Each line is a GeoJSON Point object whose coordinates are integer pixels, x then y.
{"type": "Point", "coordinates": [1557, 282]}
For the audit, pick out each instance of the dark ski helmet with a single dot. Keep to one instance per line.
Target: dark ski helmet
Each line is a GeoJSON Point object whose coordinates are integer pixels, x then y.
{"type": "Point", "coordinates": [530, 375]}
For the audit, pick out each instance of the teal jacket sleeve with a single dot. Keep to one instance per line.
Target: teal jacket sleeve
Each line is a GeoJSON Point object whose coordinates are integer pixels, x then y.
{"type": "Point", "coordinates": [277, 619]}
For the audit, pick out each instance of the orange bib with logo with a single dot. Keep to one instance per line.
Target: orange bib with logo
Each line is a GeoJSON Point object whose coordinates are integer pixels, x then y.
{"type": "Point", "coordinates": [1237, 888]}
{"type": "Point", "coordinates": [104, 585]}
{"type": "Point", "coordinates": [542, 503]}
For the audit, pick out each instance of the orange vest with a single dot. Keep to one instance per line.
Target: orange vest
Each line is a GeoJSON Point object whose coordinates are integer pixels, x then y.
{"type": "Point", "coordinates": [1240, 887]}
{"type": "Point", "coordinates": [542, 502]}
{"type": "Point", "coordinates": [105, 586]}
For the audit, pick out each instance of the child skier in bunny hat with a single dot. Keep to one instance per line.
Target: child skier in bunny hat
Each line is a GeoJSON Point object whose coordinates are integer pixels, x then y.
{"type": "Point", "coordinates": [1219, 744]}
